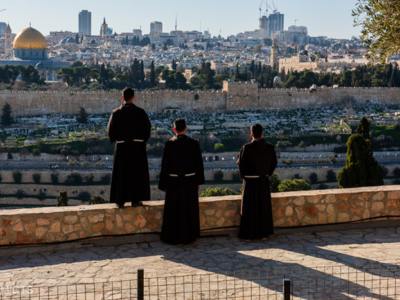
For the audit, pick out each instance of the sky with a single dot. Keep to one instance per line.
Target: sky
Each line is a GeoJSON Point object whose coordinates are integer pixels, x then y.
{"type": "Point", "coordinates": [322, 17]}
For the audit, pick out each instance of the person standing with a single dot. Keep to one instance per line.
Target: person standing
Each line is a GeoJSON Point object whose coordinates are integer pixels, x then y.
{"type": "Point", "coordinates": [256, 161]}
{"type": "Point", "coordinates": [182, 173]}
{"type": "Point", "coordinates": [129, 127]}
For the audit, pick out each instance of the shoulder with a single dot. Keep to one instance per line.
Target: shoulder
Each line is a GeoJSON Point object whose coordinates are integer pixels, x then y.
{"type": "Point", "coordinates": [117, 110]}
{"type": "Point", "coordinates": [140, 110]}
{"type": "Point", "coordinates": [270, 146]}
{"type": "Point", "coordinates": [247, 146]}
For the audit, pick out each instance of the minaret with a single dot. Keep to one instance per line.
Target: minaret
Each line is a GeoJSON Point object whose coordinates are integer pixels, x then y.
{"type": "Point", "coordinates": [104, 29]}
{"type": "Point", "coordinates": [274, 55]}
{"type": "Point", "coordinates": [8, 41]}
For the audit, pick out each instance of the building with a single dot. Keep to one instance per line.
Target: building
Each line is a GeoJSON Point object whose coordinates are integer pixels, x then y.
{"type": "Point", "coordinates": [264, 26]}
{"type": "Point", "coordinates": [85, 22]}
{"type": "Point", "coordinates": [3, 27]}
{"type": "Point", "coordinates": [276, 22]}
{"type": "Point", "coordinates": [137, 33]}
{"type": "Point", "coordinates": [296, 35]}
{"type": "Point", "coordinates": [105, 30]}
{"type": "Point", "coordinates": [8, 40]}
{"type": "Point", "coordinates": [274, 54]}
{"type": "Point", "coordinates": [30, 48]}
{"type": "Point", "coordinates": [156, 28]}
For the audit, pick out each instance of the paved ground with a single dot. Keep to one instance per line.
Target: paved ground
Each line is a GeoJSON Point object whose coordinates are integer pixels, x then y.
{"type": "Point", "coordinates": [220, 255]}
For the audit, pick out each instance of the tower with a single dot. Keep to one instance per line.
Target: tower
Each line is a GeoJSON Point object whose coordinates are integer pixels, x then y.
{"type": "Point", "coordinates": [8, 40]}
{"type": "Point", "coordinates": [104, 29]}
{"type": "Point", "coordinates": [85, 22]}
{"type": "Point", "coordinates": [274, 54]}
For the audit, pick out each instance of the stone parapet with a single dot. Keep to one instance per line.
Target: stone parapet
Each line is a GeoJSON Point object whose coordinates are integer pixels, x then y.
{"type": "Point", "coordinates": [61, 224]}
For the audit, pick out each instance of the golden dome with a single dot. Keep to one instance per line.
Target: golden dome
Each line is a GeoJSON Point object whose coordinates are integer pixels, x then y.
{"type": "Point", "coordinates": [30, 38]}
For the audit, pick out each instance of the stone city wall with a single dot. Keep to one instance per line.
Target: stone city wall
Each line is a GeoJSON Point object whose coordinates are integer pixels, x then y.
{"type": "Point", "coordinates": [234, 96]}
{"type": "Point", "coordinates": [60, 224]}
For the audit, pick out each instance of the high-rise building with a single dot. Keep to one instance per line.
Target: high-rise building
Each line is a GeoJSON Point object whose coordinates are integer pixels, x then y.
{"type": "Point", "coordinates": [8, 40]}
{"type": "Point", "coordinates": [264, 26]}
{"type": "Point", "coordinates": [85, 22]}
{"type": "Point", "coordinates": [276, 22]}
{"type": "Point", "coordinates": [3, 27]}
{"type": "Point", "coordinates": [156, 28]}
{"type": "Point", "coordinates": [104, 29]}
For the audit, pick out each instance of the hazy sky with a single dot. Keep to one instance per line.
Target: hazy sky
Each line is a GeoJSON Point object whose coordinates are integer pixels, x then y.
{"type": "Point", "coordinates": [322, 17]}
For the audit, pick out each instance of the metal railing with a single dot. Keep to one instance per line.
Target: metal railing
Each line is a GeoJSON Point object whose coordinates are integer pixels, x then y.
{"type": "Point", "coordinates": [373, 281]}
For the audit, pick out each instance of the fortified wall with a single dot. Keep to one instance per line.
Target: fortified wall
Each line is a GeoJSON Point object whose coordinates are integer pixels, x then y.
{"type": "Point", "coordinates": [234, 96]}
{"type": "Point", "coordinates": [61, 224]}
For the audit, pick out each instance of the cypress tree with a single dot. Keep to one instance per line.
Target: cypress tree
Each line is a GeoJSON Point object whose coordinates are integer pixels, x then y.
{"type": "Point", "coordinates": [361, 167]}
{"type": "Point", "coordinates": [82, 116]}
{"type": "Point", "coordinates": [142, 76]}
{"type": "Point", "coordinates": [363, 128]}
{"type": "Point", "coordinates": [152, 74]}
{"type": "Point", "coordinates": [174, 65]}
{"type": "Point", "coordinates": [6, 115]}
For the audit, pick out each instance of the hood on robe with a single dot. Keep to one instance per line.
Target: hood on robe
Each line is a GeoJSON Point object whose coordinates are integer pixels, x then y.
{"type": "Point", "coordinates": [260, 146]}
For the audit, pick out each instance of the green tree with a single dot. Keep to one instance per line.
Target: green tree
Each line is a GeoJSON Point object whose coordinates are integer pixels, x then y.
{"type": "Point", "coordinates": [105, 179]}
{"type": "Point", "coordinates": [363, 128]}
{"type": "Point", "coordinates": [313, 178]}
{"type": "Point", "coordinates": [99, 164]}
{"type": "Point", "coordinates": [236, 176]}
{"type": "Point", "coordinates": [73, 179]}
{"type": "Point", "coordinates": [17, 176]}
{"type": "Point", "coordinates": [274, 182]}
{"type": "Point", "coordinates": [361, 167]}
{"type": "Point", "coordinates": [62, 200]}
{"type": "Point", "coordinates": [396, 172]}
{"type": "Point", "coordinates": [294, 185]}
{"type": "Point", "coordinates": [82, 116]}
{"type": "Point", "coordinates": [6, 115]}
{"type": "Point", "coordinates": [218, 192]}
{"type": "Point", "coordinates": [90, 178]}
{"type": "Point", "coordinates": [380, 27]}
{"type": "Point", "coordinates": [174, 65]}
{"type": "Point", "coordinates": [331, 176]}
{"type": "Point", "coordinates": [36, 177]}
{"type": "Point", "coordinates": [96, 200]}
{"type": "Point", "coordinates": [219, 147]}
{"type": "Point", "coordinates": [332, 159]}
{"type": "Point", "coordinates": [218, 175]}
{"type": "Point", "coordinates": [36, 152]}
{"type": "Point", "coordinates": [85, 164]}
{"type": "Point", "coordinates": [152, 75]}
{"type": "Point", "coordinates": [54, 178]}
{"type": "Point", "coordinates": [257, 49]}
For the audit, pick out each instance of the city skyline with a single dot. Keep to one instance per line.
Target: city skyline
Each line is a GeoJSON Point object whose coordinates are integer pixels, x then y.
{"type": "Point", "coordinates": [207, 14]}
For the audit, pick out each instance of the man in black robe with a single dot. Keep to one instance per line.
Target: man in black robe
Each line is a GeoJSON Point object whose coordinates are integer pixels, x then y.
{"type": "Point", "coordinates": [182, 173]}
{"type": "Point", "coordinates": [130, 128]}
{"type": "Point", "coordinates": [257, 161]}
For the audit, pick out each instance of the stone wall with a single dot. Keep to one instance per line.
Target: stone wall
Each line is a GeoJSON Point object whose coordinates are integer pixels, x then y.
{"type": "Point", "coordinates": [49, 225]}
{"type": "Point", "coordinates": [235, 96]}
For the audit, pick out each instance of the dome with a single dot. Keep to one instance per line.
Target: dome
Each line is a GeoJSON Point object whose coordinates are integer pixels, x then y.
{"type": "Point", "coordinates": [67, 40]}
{"type": "Point", "coordinates": [30, 38]}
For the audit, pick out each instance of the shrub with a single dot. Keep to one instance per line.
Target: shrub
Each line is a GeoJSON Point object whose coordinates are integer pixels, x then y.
{"type": "Point", "coordinates": [99, 164]}
{"type": "Point", "coordinates": [54, 178]}
{"type": "Point", "coordinates": [218, 147]}
{"type": "Point", "coordinates": [321, 161]}
{"type": "Point", "coordinates": [73, 179]}
{"type": "Point", "coordinates": [397, 126]}
{"type": "Point", "coordinates": [385, 171]}
{"type": "Point", "coordinates": [90, 178]}
{"type": "Point", "coordinates": [17, 175]}
{"type": "Point", "coordinates": [287, 162]}
{"type": "Point", "coordinates": [332, 159]}
{"type": "Point", "coordinates": [396, 172]}
{"type": "Point", "coordinates": [235, 176]}
{"type": "Point", "coordinates": [331, 176]}
{"type": "Point", "coordinates": [274, 182]}
{"type": "Point", "coordinates": [84, 196]}
{"type": "Point", "coordinates": [20, 194]}
{"type": "Point", "coordinates": [297, 176]}
{"type": "Point", "coordinates": [218, 175]}
{"type": "Point", "coordinates": [85, 164]}
{"type": "Point", "coordinates": [36, 152]}
{"type": "Point", "coordinates": [294, 185]}
{"type": "Point", "coordinates": [283, 144]}
{"type": "Point", "coordinates": [313, 178]}
{"type": "Point", "coordinates": [62, 200]}
{"type": "Point", "coordinates": [9, 155]}
{"type": "Point", "coordinates": [96, 200]}
{"type": "Point", "coordinates": [215, 192]}
{"type": "Point", "coordinates": [106, 179]}
{"type": "Point", "coordinates": [36, 177]}
{"type": "Point", "coordinates": [73, 163]}
{"type": "Point", "coordinates": [42, 195]}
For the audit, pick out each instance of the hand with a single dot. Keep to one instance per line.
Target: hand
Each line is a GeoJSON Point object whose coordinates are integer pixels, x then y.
{"type": "Point", "coordinates": [198, 188]}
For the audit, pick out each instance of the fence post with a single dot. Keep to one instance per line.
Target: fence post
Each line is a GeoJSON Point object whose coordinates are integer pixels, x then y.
{"type": "Point", "coordinates": [286, 289]}
{"type": "Point", "coordinates": [140, 284]}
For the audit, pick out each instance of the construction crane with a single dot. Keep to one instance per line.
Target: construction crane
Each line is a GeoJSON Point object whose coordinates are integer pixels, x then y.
{"type": "Point", "coordinates": [219, 34]}
{"type": "Point", "coordinates": [275, 8]}
{"type": "Point", "coordinates": [3, 9]}
{"type": "Point", "coordinates": [295, 22]}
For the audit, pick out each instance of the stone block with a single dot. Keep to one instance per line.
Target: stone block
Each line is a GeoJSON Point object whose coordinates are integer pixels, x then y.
{"type": "Point", "coordinates": [312, 211]}
{"type": "Point", "coordinates": [289, 211]}
{"type": "Point", "coordinates": [394, 195]}
{"type": "Point", "coordinates": [379, 196]}
{"type": "Point", "coordinates": [356, 210]}
{"type": "Point", "coordinates": [331, 213]}
{"type": "Point", "coordinates": [342, 206]}
{"type": "Point", "coordinates": [230, 213]}
{"type": "Point", "coordinates": [70, 219]}
{"type": "Point", "coordinates": [43, 222]}
{"type": "Point", "coordinates": [96, 218]}
{"type": "Point", "coordinates": [314, 199]}
{"type": "Point", "coordinates": [330, 199]}
{"type": "Point", "coordinates": [300, 201]}
{"type": "Point", "coordinates": [30, 228]}
{"type": "Point", "coordinates": [98, 227]}
{"type": "Point", "coordinates": [280, 212]}
{"type": "Point", "coordinates": [300, 213]}
{"type": "Point", "coordinates": [140, 222]}
{"type": "Point", "coordinates": [18, 227]}
{"type": "Point", "coordinates": [55, 227]}
{"type": "Point", "coordinates": [378, 207]}
{"type": "Point", "coordinates": [128, 218]}
{"type": "Point", "coordinates": [343, 217]}
{"type": "Point", "coordinates": [285, 201]}
{"type": "Point", "coordinates": [322, 219]}
{"type": "Point", "coordinates": [320, 207]}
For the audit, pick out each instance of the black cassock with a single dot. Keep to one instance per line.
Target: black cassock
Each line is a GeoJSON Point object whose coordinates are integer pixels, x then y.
{"type": "Point", "coordinates": [256, 161]}
{"type": "Point", "coordinates": [181, 172]}
{"type": "Point", "coordinates": [130, 128]}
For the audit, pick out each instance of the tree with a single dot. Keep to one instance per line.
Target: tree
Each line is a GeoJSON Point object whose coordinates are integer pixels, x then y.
{"type": "Point", "coordinates": [152, 75]}
{"type": "Point", "coordinates": [294, 185]}
{"type": "Point", "coordinates": [96, 200]}
{"type": "Point", "coordinates": [90, 178]}
{"type": "Point", "coordinates": [313, 178]}
{"type": "Point", "coordinates": [6, 115]}
{"type": "Point", "coordinates": [380, 27]}
{"type": "Point", "coordinates": [218, 192]}
{"type": "Point", "coordinates": [36, 152]}
{"type": "Point", "coordinates": [99, 164]}
{"type": "Point", "coordinates": [9, 155]}
{"type": "Point", "coordinates": [361, 167]}
{"type": "Point", "coordinates": [396, 172]}
{"type": "Point", "coordinates": [257, 49]}
{"type": "Point", "coordinates": [274, 182]}
{"type": "Point", "coordinates": [62, 200]}
{"type": "Point", "coordinates": [332, 159]}
{"type": "Point", "coordinates": [85, 164]}
{"type": "Point", "coordinates": [218, 147]}
{"type": "Point", "coordinates": [84, 196]}
{"type": "Point", "coordinates": [82, 116]}
{"type": "Point", "coordinates": [385, 171]}
{"type": "Point", "coordinates": [218, 175]}
{"type": "Point", "coordinates": [236, 176]}
{"type": "Point", "coordinates": [174, 65]}
{"type": "Point", "coordinates": [36, 177]}
{"type": "Point", "coordinates": [17, 176]}
{"type": "Point", "coordinates": [363, 128]}
{"type": "Point", "coordinates": [73, 179]}
{"type": "Point", "coordinates": [54, 178]}
{"type": "Point", "coordinates": [106, 179]}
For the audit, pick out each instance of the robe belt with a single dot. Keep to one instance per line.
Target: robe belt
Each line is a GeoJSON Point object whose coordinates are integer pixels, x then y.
{"type": "Point", "coordinates": [186, 175]}
{"type": "Point", "coordinates": [138, 141]}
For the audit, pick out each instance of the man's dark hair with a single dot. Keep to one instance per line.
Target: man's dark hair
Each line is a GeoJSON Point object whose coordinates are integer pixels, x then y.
{"type": "Point", "coordinates": [256, 130]}
{"type": "Point", "coordinates": [180, 125]}
{"type": "Point", "coordinates": [128, 93]}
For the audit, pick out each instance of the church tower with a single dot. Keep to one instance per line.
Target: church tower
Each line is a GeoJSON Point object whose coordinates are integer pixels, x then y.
{"type": "Point", "coordinates": [8, 41]}
{"type": "Point", "coordinates": [274, 55]}
{"type": "Point", "coordinates": [104, 29]}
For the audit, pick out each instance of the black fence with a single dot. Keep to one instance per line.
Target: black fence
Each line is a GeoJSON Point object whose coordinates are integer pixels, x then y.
{"type": "Point", "coordinates": [374, 281]}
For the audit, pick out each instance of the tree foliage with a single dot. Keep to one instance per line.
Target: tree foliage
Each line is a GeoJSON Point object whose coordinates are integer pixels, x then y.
{"type": "Point", "coordinates": [294, 185]}
{"type": "Point", "coordinates": [216, 192]}
{"type": "Point", "coordinates": [96, 200]}
{"type": "Point", "coordinates": [17, 176]}
{"type": "Point", "coordinates": [62, 200]}
{"type": "Point", "coordinates": [363, 128]}
{"type": "Point", "coordinates": [274, 182]}
{"type": "Point", "coordinates": [361, 167]}
{"type": "Point", "coordinates": [6, 115]}
{"type": "Point", "coordinates": [82, 116]}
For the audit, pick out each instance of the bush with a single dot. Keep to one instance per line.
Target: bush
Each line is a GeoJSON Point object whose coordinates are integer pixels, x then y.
{"type": "Point", "coordinates": [96, 200]}
{"type": "Point", "coordinates": [321, 161]}
{"type": "Point", "coordinates": [73, 163]}
{"type": "Point", "coordinates": [62, 200]}
{"type": "Point", "coordinates": [73, 179]}
{"type": "Point", "coordinates": [332, 159]}
{"type": "Point", "coordinates": [396, 172]}
{"type": "Point", "coordinates": [99, 164]}
{"type": "Point", "coordinates": [20, 194]}
{"type": "Point", "coordinates": [235, 176]}
{"type": "Point", "coordinates": [84, 196]}
{"type": "Point", "coordinates": [274, 182]}
{"type": "Point", "coordinates": [218, 175]}
{"type": "Point", "coordinates": [297, 176]}
{"type": "Point", "coordinates": [219, 147]}
{"type": "Point", "coordinates": [36, 177]}
{"type": "Point", "coordinates": [17, 175]}
{"type": "Point", "coordinates": [90, 178]}
{"type": "Point", "coordinates": [294, 185]}
{"type": "Point", "coordinates": [331, 176]}
{"type": "Point", "coordinates": [42, 195]}
{"type": "Point", "coordinates": [283, 144]}
{"type": "Point", "coordinates": [54, 178]}
{"type": "Point", "coordinates": [9, 155]}
{"type": "Point", "coordinates": [36, 152]}
{"type": "Point", "coordinates": [313, 178]}
{"type": "Point", "coordinates": [397, 126]}
{"type": "Point", "coordinates": [287, 162]}
{"type": "Point", "coordinates": [385, 171]}
{"type": "Point", "coordinates": [106, 179]}
{"type": "Point", "coordinates": [215, 192]}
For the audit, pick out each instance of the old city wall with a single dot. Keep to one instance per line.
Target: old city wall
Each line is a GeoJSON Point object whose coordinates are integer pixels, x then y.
{"type": "Point", "coordinates": [61, 224]}
{"type": "Point", "coordinates": [235, 96]}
